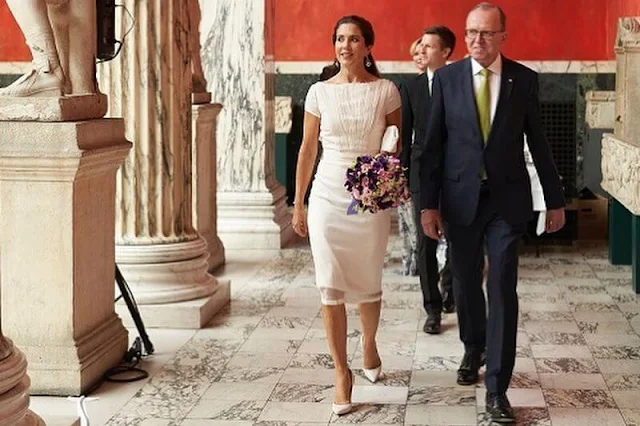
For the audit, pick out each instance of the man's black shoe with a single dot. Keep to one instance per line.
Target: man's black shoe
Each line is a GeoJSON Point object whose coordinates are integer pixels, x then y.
{"type": "Point", "coordinates": [448, 304]}
{"type": "Point", "coordinates": [432, 324]}
{"type": "Point", "coordinates": [499, 409]}
{"type": "Point", "coordinates": [468, 371]}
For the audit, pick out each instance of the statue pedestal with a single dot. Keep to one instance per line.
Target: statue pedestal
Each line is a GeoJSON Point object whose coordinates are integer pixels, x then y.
{"type": "Point", "coordinates": [57, 233]}
{"type": "Point", "coordinates": [621, 152]}
{"type": "Point", "coordinates": [65, 108]}
{"type": "Point", "coordinates": [203, 157]}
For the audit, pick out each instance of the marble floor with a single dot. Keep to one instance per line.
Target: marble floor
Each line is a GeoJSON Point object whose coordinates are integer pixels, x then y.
{"type": "Point", "coordinates": [264, 360]}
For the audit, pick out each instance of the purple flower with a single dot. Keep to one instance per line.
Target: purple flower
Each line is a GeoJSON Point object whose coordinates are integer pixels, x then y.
{"type": "Point", "coordinates": [376, 183]}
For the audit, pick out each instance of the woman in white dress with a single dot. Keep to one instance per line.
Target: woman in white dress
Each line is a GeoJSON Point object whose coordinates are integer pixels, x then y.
{"type": "Point", "coordinates": [348, 113]}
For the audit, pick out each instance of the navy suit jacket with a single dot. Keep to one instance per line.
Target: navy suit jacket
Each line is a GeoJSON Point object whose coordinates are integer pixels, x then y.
{"type": "Point", "coordinates": [416, 105]}
{"type": "Point", "coordinates": [453, 152]}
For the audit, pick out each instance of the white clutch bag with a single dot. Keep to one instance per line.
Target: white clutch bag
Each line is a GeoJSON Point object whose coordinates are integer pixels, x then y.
{"type": "Point", "coordinates": [390, 139]}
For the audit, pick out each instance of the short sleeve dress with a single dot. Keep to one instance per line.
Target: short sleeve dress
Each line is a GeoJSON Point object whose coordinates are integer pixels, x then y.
{"type": "Point", "coordinates": [348, 250]}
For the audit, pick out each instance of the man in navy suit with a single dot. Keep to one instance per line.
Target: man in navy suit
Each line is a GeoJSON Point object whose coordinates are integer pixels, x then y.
{"type": "Point", "coordinates": [437, 44]}
{"type": "Point", "coordinates": [473, 173]}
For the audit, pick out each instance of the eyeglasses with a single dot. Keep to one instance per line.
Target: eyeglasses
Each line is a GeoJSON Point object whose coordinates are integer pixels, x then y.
{"type": "Point", "coordinates": [486, 35]}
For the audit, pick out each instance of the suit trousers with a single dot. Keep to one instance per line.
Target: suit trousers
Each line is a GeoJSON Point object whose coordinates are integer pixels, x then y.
{"type": "Point", "coordinates": [496, 330]}
{"type": "Point", "coordinates": [428, 269]}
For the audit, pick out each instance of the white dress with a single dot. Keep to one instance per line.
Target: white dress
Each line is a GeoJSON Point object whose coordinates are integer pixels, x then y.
{"type": "Point", "coordinates": [348, 250]}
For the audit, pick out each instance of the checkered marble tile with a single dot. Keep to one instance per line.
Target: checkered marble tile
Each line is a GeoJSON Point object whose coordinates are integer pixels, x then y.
{"type": "Point", "coordinates": [267, 362]}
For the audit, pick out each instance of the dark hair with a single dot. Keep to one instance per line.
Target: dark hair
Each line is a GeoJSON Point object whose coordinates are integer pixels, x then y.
{"type": "Point", "coordinates": [328, 72]}
{"type": "Point", "coordinates": [485, 5]}
{"type": "Point", "coordinates": [447, 37]}
{"type": "Point", "coordinates": [366, 29]}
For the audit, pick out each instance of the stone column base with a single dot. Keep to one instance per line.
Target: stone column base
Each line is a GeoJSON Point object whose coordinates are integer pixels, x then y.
{"type": "Point", "coordinates": [254, 220]}
{"type": "Point", "coordinates": [14, 392]}
{"type": "Point", "coordinates": [79, 364]}
{"type": "Point", "coordinates": [170, 284]}
{"type": "Point", "coordinates": [188, 314]}
{"type": "Point", "coordinates": [216, 250]}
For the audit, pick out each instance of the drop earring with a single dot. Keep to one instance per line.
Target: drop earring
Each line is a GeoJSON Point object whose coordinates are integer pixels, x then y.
{"type": "Point", "coordinates": [367, 63]}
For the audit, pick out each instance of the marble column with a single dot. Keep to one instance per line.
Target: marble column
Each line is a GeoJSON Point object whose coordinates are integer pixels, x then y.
{"type": "Point", "coordinates": [237, 57]}
{"type": "Point", "coordinates": [57, 210]}
{"type": "Point", "coordinates": [159, 250]}
{"type": "Point", "coordinates": [621, 150]}
{"type": "Point", "coordinates": [14, 387]}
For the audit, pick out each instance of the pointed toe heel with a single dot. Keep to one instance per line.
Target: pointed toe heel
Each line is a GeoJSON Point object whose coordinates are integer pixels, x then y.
{"type": "Point", "coordinates": [342, 409]}
{"type": "Point", "coordinates": [372, 374]}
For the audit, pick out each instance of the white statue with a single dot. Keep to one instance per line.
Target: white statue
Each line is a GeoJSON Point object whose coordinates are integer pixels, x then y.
{"type": "Point", "coordinates": [632, 24]}
{"type": "Point", "coordinates": [61, 35]}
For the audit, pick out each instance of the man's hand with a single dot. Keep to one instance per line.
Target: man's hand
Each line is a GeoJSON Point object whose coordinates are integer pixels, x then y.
{"type": "Point", "coordinates": [555, 220]}
{"type": "Point", "coordinates": [432, 224]}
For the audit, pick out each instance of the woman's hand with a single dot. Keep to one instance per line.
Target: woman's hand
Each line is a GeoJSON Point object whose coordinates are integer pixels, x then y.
{"type": "Point", "coordinates": [299, 221]}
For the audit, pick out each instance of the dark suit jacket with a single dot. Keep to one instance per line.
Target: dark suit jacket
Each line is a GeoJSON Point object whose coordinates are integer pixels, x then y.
{"type": "Point", "coordinates": [454, 153]}
{"type": "Point", "coordinates": [416, 105]}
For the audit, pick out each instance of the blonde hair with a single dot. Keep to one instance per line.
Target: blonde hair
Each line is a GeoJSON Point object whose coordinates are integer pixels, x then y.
{"type": "Point", "coordinates": [414, 46]}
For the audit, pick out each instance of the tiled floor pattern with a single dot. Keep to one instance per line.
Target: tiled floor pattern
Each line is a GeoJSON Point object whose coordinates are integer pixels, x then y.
{"type": "Point", "coordinates": [264, 360]}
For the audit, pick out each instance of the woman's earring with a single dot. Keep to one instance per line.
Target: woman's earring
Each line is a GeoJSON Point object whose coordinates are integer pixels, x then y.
{"type": "Point", "coordinates": [336, 64]}
{"type": "Point", "coordinates": [368, 62]}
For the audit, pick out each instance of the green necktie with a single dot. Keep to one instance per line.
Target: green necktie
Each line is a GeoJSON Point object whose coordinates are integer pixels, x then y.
{"type": "Point", "coordinates": [483, 102]}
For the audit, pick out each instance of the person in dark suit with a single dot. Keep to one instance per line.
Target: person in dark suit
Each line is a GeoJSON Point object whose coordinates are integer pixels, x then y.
{"type": "Point", "coordinates": [437, 44]}
{"type": "Point", "coordinates": [473, 172]}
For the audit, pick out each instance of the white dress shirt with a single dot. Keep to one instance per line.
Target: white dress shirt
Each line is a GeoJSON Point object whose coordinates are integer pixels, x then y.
{"type": "Point", "coordinates": [494, 80]}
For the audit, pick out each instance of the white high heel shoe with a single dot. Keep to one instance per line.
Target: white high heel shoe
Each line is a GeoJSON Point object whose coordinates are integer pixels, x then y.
{"type": "Point", "coordinates": [372, 374]}
{"type": "Point", "coordinates": [342, 409]}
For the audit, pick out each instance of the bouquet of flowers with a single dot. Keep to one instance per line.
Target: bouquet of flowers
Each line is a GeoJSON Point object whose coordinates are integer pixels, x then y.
{"type": "Point", "coordinates": [376, 182]}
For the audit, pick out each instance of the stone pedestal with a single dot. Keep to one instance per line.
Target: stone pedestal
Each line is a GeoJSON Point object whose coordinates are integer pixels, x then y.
{"type": "Point", "coordinates": [599, 119]}
{"type": "Point", "coordinates": [601, 108]}
{"type": "Point", "coordinates": [620, 171]}
{"type": "Point", "coordinates": [237, 57]}
{"type": "Point", "coordinates": [284, 122]}
{"type": "Point", "coordinates": [57, 192]}
{"type": "Point", "coordinates": [158, 249]}
{"type": "Point", "coordinates": [627, 110]}
{"type": "Point", "coordinates": [14, 388]}
{"type": "Point", "coordinates": [621, 152]}
{"type": "Point", "coordinates": [66, 108]}
{"type": "Point", "coordinates": [203, 151]}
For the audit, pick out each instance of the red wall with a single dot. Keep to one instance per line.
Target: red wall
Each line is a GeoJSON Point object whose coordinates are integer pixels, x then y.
{"type": "Point", "coordinates": [539, 29]}
{"type": "Point", "coordinates": [12, 47]}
